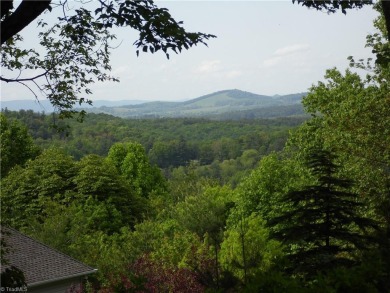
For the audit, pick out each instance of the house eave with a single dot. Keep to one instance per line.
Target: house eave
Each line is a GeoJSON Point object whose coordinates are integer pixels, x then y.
{"type": "Point", "coordinates": [36, 284]}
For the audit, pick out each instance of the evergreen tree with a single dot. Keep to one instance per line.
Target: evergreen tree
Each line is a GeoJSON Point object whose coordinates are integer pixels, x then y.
{"type": "Point", "coordinates": [323, 227]}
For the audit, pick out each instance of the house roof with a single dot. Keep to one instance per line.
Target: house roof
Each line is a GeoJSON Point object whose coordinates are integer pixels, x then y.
{"type": "Point", "coordinates": [39, 262]}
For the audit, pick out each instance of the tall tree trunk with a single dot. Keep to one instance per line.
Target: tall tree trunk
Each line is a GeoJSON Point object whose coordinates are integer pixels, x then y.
{"type": "Point", "coordinates": [242, 236]}
{"type": "Point", "coordinates": [386, 12]}
{"type": "Point", "coordinates": [216, 263]}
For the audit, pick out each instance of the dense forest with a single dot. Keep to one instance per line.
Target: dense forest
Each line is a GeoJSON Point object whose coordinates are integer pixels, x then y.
{"type": "Point", "coordinates": [193, 205]}
{"type": "Point", "coordinates": [221, 150]}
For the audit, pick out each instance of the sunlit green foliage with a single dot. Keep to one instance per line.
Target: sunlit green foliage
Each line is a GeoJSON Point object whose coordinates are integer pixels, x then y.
{"type": "Point", "coordinates": [99, 178]}
{"type": "Point", "coordinates": [145, 180]}
{"type": "Point", "coordinates": [261, 191]}
{"type": "Point", "coordinates": [247, 249]}
{"type": "Point", "coordinates": [24, 191]}
{"type": "Point", "coordinates": [17, 145]}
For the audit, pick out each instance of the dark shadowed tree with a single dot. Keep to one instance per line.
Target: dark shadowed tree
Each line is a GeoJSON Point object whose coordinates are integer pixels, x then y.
{"type": "Point", "coordinates": [323, 226]}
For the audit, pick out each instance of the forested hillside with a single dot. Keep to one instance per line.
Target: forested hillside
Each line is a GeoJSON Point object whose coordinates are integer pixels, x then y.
{"type": "Point", "coordinates": [224, 105]}
{"type": "Point", "coordinates": [193, 205]}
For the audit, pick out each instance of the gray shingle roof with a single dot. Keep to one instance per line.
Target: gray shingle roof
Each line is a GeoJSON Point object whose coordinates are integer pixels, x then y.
{"type": "Point", "coordinates": [39, 262]}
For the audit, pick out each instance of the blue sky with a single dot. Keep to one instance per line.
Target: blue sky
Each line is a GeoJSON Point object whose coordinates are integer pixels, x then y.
{"type": "Point", "coordinates": [264, 47]}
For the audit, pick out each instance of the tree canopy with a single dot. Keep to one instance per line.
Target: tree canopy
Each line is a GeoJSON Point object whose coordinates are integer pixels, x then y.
{"type": "Point", "coordinates": [17, 146]}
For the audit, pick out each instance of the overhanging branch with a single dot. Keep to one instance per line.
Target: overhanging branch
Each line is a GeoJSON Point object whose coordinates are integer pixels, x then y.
{"type": "Point", "coordinates": [26, 12]}
{"type": "Point", "coordinates": [22, 79]}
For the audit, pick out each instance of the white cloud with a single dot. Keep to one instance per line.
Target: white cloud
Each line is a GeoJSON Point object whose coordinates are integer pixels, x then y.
{"type": "Point", "coordinates": [272, 61]}
{"type": "Point", "coordinates": [208, 66]}
{"type": "Point", "coordinates": [216, 70]}
{"type": "Point", "coordinates": [289, 50]}
{"type": "Point", "coordinates": [233, 73]}
{"type": "Point", "coordinates": [120, 70]}
{"type": "Point", "coordinates": [286, 54]}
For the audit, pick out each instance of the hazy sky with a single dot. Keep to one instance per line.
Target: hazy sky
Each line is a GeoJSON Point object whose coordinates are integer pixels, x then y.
{"type": "Point", "coordinates": [264, 47]}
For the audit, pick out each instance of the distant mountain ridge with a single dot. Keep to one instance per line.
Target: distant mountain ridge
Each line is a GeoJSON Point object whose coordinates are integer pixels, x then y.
{"type": "Point", "coordinates": [46, 106]}
{"type": "Point", "coordinates": [213, 105]}
{"type": "Point", "coordinates": [225, 104]}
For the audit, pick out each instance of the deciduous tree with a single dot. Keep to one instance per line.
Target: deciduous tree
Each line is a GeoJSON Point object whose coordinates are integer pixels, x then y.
{"type": "Point", "coordinates": [98, 177]}
{"type": "Point", "coordinates": [131, 161]}
{"type": "Point", "coordinates": [17, 145]}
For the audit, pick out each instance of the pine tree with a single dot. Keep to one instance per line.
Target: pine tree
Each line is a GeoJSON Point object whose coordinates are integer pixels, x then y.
{"type": "Point", "coordinates": [323, 226]}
